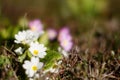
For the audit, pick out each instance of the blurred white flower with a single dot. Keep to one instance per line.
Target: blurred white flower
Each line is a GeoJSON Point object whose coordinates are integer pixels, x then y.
{"type": "Point", "coordinates": [51, 70]}
{"type": "Point", "coordinates": [63, 52]}
{"type": "Point", "coordinates": [47, 78]}
{"type": "Point", "coordinates": [54, 69]}
{"type": "Point", "coordinates": [32, 66]}
{"type": "Point", "coordinates": [31, 79]}
{"type": "Point", "coordinates": [37, 49]}
{"type": "Point", "coordinates": [19, 50]}
{"type": "Point", "coordinates": [37, 76]}
{"type": "Point", "coordinates": [26, 37]}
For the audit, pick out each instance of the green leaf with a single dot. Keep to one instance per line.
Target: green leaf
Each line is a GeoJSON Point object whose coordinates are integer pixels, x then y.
{"type": "Point", "coordinates": [51, 56]}
{"type": "Point", "coordinates": [44, 39]}
{"type": "Point", "coordinates": [49, 65]}
{"type": "Point", "coordinates": [74, 6]}
{"type": "Point", "coordinates": [29, 54]}
{"type": "Point", "coordinates": [4, 60]}
{"type": "Point", "coordinates": [4, 34]}
{"type": "Point", "coordinates": [23, 22]}
{"type": "Point", "coordinates": [13, 31]}
{"type": "Point", "coordinates": [9, 32]}
{"type": "Point", "coordinates": [22, 57]}
{"type": "Point", "coordinates": [10, 73]}
{"type": "Point", "coordinates": [50, 59]}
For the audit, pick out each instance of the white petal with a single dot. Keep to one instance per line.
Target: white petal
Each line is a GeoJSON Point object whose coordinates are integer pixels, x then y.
{"type": "Point", "coordinates": [31, 74]}
{"type": "Point", "coordinates": [19, 50]}
{"type": "Point", "coordinates": [31, 79]}
{"type": "Point", "coordinates": [40, 65]}
{"type": "Point", "coordinates": [34, 60]}
{"type": "Point", "coordinates": [42, 54]}
{"type": "Point", "coordinates": [26, 64]}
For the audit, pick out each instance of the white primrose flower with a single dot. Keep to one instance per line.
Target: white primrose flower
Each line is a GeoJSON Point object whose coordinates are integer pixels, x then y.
{"type": "Point", "coordinates": [19, 50]}
{"type": "Point", "coordinates": [36, 76]}
{"type": "Point", "coordinates": [37, 49]}
{"type": "Point", "coordinates": [32, 66]}
{"type": "Point", "coordinates": [26, 37]}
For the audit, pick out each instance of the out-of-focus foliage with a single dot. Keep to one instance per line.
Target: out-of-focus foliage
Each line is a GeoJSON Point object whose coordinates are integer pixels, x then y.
{"type": "Point", "coordinates": [87, 7]}
{"type": "Point", "coordinates": [4, 60]}
{"type": "Point", "coordinates": [95, 34]}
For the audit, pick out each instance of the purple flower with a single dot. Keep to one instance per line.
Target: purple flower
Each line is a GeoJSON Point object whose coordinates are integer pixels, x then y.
{"type": "Point", "coordinates": [36, 25]}
{"type": "Point", "coordinates": [52, 33]}
{"type": "Point", "coordinates": [65, 39]}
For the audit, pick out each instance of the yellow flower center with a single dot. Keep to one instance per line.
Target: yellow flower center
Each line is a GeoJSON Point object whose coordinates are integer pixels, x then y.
{"type": "Point", "coordinates": [23, 42]}
{"type": "Point", "coordinates": [34, 68]}
{"type": "Point", "coordinates": [35, 52]}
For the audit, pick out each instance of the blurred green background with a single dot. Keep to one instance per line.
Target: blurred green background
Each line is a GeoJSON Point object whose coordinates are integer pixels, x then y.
{"type": "Point", "coordinates": [79, 15]}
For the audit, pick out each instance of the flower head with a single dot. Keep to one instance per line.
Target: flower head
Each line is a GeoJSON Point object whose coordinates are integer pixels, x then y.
{"type": "Point", "coordinates": [63, 33]}
{"type": "Point", "coordinates": [37, 49]}
{"type": "Point", "coordinates": [65, 39]}
{"type": "Point", "coordinates": [19, 50]}
{"type": "Point", "coordinates": [52, 34]}
{"type": "Point", "coordinates": [26, 37]}
{"type": "Point", "coordinates": [32, 66]}
{"type": "Point", "coordinates": [36, 25]}
{"type": "Point", "coordinates": [66, 44]}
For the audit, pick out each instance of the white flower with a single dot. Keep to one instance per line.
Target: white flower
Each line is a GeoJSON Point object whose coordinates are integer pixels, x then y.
{"type": "Point", "coordinates": [37, 49]}
{"type": "Point", "coordinates": [32, 66]}
{"type": "Point", "coordinates": [47, 78]}
{"type": "Point", "coordinates": [51, 70]}
{"type": "Point", "coordinates": [63, 52]}
{"type": "Point", "coordinates": [31, 79]}
{"type": "Point", "coordinates": [37, 76]}
{"type": "Point", "coordinates": [19, 50]}
{"type": "Point", "coordinates": [26, 37]}
{"type": "Point", "coordinates": [54, 70]}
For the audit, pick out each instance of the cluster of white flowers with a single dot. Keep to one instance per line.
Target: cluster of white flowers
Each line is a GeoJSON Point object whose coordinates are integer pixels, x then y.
{"type": "Point", "coordinates": [26, 37]}
{"type": "Point", "coordinates": [37, 50]}
{"type": "Point", "coordinates": [29, 40]}
{"type": "Point", "coordinates": [38, 60]}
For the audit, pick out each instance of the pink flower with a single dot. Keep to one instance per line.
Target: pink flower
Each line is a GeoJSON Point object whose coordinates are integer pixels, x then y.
{"type": "Point", "coordinates": [63, 33]}
{"type": "Point", "coordinates": [36, 25]}
{"type": "Point", "coordinates": [52, 33]}
{"type": "Point", "coordinates": [65, 39]}
{"type": "Point", "coordinates": [66, 44]}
